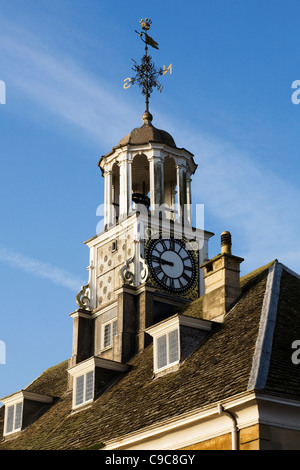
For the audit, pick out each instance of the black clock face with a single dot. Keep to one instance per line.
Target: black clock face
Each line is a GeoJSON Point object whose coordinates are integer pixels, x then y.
{"type": "Point", "coordinates": [172, 266]}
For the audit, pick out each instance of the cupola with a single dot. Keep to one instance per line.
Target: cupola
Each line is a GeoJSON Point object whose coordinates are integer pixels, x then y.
{"type": "Point", "coordinates": [147, 133]}
{"type": "Point", "coordinates": [147, 168]}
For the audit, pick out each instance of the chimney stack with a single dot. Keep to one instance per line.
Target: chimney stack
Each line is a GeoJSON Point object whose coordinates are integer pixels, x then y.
{"type": "Point", "coordinates": [222, 281]}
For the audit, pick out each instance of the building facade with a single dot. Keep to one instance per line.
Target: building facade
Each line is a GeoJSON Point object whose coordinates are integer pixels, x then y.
{"type": "Point", "coordinates": [172, 350]}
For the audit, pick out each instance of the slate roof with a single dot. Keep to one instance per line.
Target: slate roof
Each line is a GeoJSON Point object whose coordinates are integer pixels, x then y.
{"type": "Point", "coordinates": [251, 350]}
{"type": "Point", "coordinates": [146, 133]}
{"type": "Point", "coordinates": [143, 135]}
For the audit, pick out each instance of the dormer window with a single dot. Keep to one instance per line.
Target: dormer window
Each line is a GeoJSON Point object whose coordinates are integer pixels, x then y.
{"type": "Point", "coordinates": [21, 409]}
{"type": "Point", "coordinates": [83, 383]}
{"type": "Point", "coordinates": [84, 388]}
{"type": "Point", "coordinates": [167, 349]}
{"type": "Point", "coordinates": [13, 418]}
{"type": "Point", "coordinates": [92, 376]}
{"type": "Point", "coordinates": [174, 339]}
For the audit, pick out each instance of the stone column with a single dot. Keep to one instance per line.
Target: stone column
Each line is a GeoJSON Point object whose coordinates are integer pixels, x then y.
{"type": "Point", "coordinates": [181, 190]}
{"type": "Point", "coordinates": [83, 334]}
{"type": "Point", "coordinates": [126, 338]}
{"type": "Point", "coordinates": [188, 199]}
{"type": "Point", "coordinates": [156, 182]}
{"type": "Point", "coordinates": [125, 199]}
{"type": "Point", "coordinates": [129, 185]}
{"type": "Point", "coordinates": [123, 185]}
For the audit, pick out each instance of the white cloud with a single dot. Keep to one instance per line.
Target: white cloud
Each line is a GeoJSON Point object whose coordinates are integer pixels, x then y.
{"type": "Point", "coordinates": [62, 87]}
{"type": "Point", "coordinates": [30, 265]}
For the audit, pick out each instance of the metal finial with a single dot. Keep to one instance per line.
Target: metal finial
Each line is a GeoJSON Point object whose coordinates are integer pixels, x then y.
{"type": "Point", "coordinates": [145, 24]}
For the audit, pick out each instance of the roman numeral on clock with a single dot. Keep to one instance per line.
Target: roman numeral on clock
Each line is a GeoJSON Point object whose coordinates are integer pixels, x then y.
{"type": "Point", "coordinates": [185, 277]}
{"type": "Point", "coordinates": [157, 270]}
{"type": "Point", "coordinates": [188, 268]}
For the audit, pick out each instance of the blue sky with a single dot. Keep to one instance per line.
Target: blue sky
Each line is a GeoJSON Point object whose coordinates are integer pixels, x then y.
{"type": "Point", "coordinates": [228, 101]}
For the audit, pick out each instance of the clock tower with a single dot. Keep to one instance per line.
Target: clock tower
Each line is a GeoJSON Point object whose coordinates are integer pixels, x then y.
{"type": "Point", "coordinates": [145, 263]}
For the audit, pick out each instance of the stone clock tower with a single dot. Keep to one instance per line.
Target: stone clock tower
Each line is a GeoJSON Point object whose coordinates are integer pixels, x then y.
{"type": "Point", "coordinates": [146, 261]}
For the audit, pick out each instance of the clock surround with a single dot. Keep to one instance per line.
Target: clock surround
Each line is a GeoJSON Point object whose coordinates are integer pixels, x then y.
{"type": "Point", "coordinates": [173, 265]}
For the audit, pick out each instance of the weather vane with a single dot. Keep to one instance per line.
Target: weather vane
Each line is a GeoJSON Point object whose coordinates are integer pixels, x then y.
{"type": "Point", "coordinates": [146, 73]}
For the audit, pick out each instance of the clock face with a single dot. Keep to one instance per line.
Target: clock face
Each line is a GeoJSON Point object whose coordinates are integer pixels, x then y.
{"type": "Point", "coordinates": [172, 266]}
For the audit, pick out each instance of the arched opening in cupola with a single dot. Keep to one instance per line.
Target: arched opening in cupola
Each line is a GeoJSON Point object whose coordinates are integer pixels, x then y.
{"type": "Point", "coordinates": [170, 188]}
{"type": "Point", "coordinates": [115, 191]}
{"type": "Point", "coordinates": [140, 181]}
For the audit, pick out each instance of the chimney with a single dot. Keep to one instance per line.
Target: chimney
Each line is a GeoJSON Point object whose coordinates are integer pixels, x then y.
{"type": "Point", "coordinates": [222, 281]}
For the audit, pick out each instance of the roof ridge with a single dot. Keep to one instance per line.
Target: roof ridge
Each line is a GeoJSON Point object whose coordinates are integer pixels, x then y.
{"type": "Point", "coordinates": [263, 347]}
{"type": "Point", "coordinates": [290, 271]}
{"type": "Point", "coordinates": [257, 271]}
